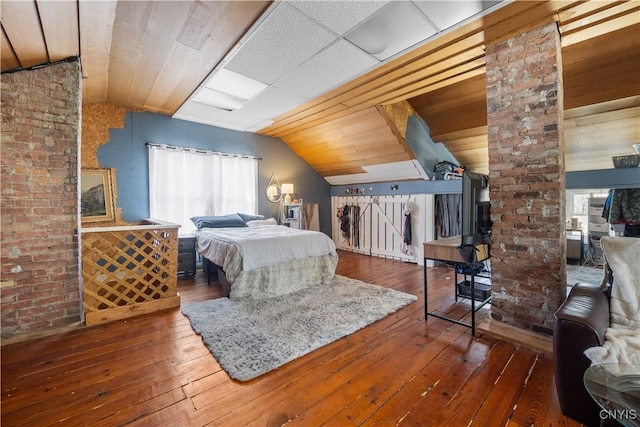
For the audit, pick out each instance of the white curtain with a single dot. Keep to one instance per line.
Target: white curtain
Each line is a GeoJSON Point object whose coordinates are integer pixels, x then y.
{"type": "Point", "coordinates": [184, 183]}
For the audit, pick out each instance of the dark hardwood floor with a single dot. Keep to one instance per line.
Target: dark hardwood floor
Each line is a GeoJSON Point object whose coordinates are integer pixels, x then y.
{"type": "Point", "coordinates": [154, 371]}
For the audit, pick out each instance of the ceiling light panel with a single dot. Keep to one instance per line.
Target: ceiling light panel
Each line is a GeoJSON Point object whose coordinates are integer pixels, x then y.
{"type": "Point", "coordinates": [286, 39]}
{"type": "Point", "coordinates": [445, 14]}
{"type": "Point", "coordinates": [339, 16]}
{"type": "Point", "coordinates": [335, 65]}
{"type": "Point", "coordinates": [235, 84]}
{"type": "Point", "coordinates": [393, 29]}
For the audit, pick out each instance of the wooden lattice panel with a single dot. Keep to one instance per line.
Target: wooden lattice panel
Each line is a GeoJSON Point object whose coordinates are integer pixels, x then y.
{"type": "Point", "coordinates": [124, 269]}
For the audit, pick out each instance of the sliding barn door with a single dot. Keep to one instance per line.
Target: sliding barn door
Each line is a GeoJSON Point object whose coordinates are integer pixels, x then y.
{"type": "Point", "coordinates": [375, 225]}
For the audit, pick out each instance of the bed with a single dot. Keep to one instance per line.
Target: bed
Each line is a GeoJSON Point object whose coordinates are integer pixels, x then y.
{"type": "Point", "coordinates": [258, 259]}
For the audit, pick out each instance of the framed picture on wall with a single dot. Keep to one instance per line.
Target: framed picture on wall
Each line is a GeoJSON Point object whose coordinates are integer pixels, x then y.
{"type": "Point", "coordinates": [96, 199]}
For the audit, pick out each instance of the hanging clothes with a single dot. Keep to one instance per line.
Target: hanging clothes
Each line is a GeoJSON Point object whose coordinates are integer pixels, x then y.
{"type": "Point", "coordinates": [449, 211]}
{"type": "Point", "coordinates": [406, 229]}
{"type": "Point", "coordinates": [345, 225]}
{"type": "Point", "coordinates": [607, 206]}
{"type": "Point", "coordinates": [349, 217]}
{"type": "Point", "coordinates": [625, 206]}
{"type": "Point", "coordinates": [355, 225]}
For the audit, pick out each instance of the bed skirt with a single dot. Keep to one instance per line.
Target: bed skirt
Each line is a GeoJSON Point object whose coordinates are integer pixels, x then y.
{"type": "Point", "coordinates": [280, 279]}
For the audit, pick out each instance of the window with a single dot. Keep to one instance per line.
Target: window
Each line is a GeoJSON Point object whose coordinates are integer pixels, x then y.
{"type": "Point", "coordinates": [184, 183]}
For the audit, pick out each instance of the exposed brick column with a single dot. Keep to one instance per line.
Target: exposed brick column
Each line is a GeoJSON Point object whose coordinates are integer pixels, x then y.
{"type": "Point", "coordinates": [527, 178]}
{"type": "Point", "coordinates": [39, 209]}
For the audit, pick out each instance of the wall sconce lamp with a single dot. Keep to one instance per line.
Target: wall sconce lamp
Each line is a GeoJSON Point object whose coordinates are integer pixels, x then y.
{"type": "Point", "coordinates": [287, 190]}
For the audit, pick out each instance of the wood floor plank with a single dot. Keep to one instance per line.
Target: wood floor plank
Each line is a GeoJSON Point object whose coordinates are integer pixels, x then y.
{"type": "Point", "coordinates": [456, 366]}
{"type": "Point", "coordinates": [500, 403]}
{"type": "Point", "coordinates": [153, 370]}
{"type": "Point", "coordinates": [371, 378]}
{"type": "Point", "coordinates": [105, 370]}
{"type": "Point", "coordinates": [533, 405]}
{"type": "Point", "coordinates": [326, 378]}
{"type": "Point", "coordinates": [465, 404]}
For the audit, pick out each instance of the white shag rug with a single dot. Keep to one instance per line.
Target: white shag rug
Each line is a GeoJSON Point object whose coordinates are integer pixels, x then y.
{"type": "Point", "coordinates": [250, 338]}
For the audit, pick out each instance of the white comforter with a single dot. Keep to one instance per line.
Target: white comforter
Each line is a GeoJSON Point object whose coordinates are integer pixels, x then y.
{"type": "Point", "coordinates": [263, 245]}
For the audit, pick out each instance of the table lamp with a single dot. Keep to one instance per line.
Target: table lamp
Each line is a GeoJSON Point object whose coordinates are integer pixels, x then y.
{"type": "Point", "coordinates": [287, 189]}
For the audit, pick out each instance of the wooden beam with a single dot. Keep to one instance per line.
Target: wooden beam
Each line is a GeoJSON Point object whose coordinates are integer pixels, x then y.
{"type": "Point", "coordinates": [9, 58]}
{"type": "Point", "coordinates": [629, 18]}
{"type": "Point", "coordinates": [519, 337]}
{"type": "Point", "coordinates": [96, 26]}
{"type": "Point", "coordinates": [29, 46]}
{"type": "Point", "coordinates": [60, 26]}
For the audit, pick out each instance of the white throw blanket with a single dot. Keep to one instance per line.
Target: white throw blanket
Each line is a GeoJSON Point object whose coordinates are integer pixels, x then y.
{"type": "Point", "coordinates": [622, 338]}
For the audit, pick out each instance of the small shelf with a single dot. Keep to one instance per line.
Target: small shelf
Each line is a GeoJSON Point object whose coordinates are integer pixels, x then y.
{"type": "Point", "coordinates": [292, 214]}
{"type": "Point", "coordinates": [482, 291]}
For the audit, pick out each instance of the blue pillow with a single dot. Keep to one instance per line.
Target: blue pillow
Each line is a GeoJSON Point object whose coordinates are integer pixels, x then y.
{"type": "Point", "coordinates": [248, 217]}
{"type": "Point", "coordinates": [221, 221]}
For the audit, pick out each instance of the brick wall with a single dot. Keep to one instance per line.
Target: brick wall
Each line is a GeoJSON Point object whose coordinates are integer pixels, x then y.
{"type": "Point", "coordinates": [527, 178]}
{"type": "Point", "coordinates": [39, 209]}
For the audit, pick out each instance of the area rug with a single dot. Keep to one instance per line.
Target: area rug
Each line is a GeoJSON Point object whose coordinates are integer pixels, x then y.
{"type": "Point", "coordinates": [582, 274]}
{"type": "Point", "coordinates": [250, 338]}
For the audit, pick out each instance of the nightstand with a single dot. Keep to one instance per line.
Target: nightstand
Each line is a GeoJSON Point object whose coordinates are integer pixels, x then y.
{"type": "Point", "coordinates": [187, 256]}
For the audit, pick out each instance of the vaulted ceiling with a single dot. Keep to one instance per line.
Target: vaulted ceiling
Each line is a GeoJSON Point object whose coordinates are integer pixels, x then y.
{"type": "Point", "coordinates": [157, 56]}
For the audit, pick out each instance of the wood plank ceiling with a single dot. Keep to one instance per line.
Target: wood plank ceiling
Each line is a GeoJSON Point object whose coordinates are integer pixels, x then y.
{"type": "Point", "coordinates": [143, 55]}
{"type": "Point", "coordinates": [444, 83]}
{"type": "Point", "coordinates": [151, 56]}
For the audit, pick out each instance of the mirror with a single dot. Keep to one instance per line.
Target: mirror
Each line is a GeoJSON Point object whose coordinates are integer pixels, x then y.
{"type": "Point", "coordinates": [274, 190]}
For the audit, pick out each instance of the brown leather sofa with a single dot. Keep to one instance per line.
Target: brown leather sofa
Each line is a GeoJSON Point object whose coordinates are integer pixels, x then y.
{"type": "Point", "coordinates": [579, 323]}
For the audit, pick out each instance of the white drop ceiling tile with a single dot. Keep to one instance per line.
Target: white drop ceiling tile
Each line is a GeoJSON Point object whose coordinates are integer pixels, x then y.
{"type": "Point", "coordinates": [199, 113]}
{"type": "Point", "coordinates": [259, 126]}
{"type": "Point", "coordinates": [390, 169]}
{"type": "Point", "coordinates": [339, 16]}
{"type": "Point", "coordinates": [445, 14]}
{"type": "Point", "coordinates": [379, 173]}
{"type": "Point", "coordinates": [234, 84]}
{"type": "Point", "coordinates": [271, 103]}
{"type": "Point", "coordinates": [286, 39]}
{"type": "Point", "coordinates": [393, 29]}
{"type": "Point", "coordinates": [335, 65]}
{"type": "Point", "coordinates": [218, 99]}
{"type": "Point", "coordinates": [236, 120]}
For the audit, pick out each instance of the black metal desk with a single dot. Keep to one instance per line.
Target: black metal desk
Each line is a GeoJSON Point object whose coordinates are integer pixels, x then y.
{"type": "Point", "coordinates": [446, 250]}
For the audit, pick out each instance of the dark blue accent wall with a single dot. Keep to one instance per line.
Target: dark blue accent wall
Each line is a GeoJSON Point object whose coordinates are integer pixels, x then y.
{"type": "Point", "coordinates": [604, 178]}
{"type": "Point", "coordinates": [127, 153]}
{"type": "Point", "coordinates": [400, 188]}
